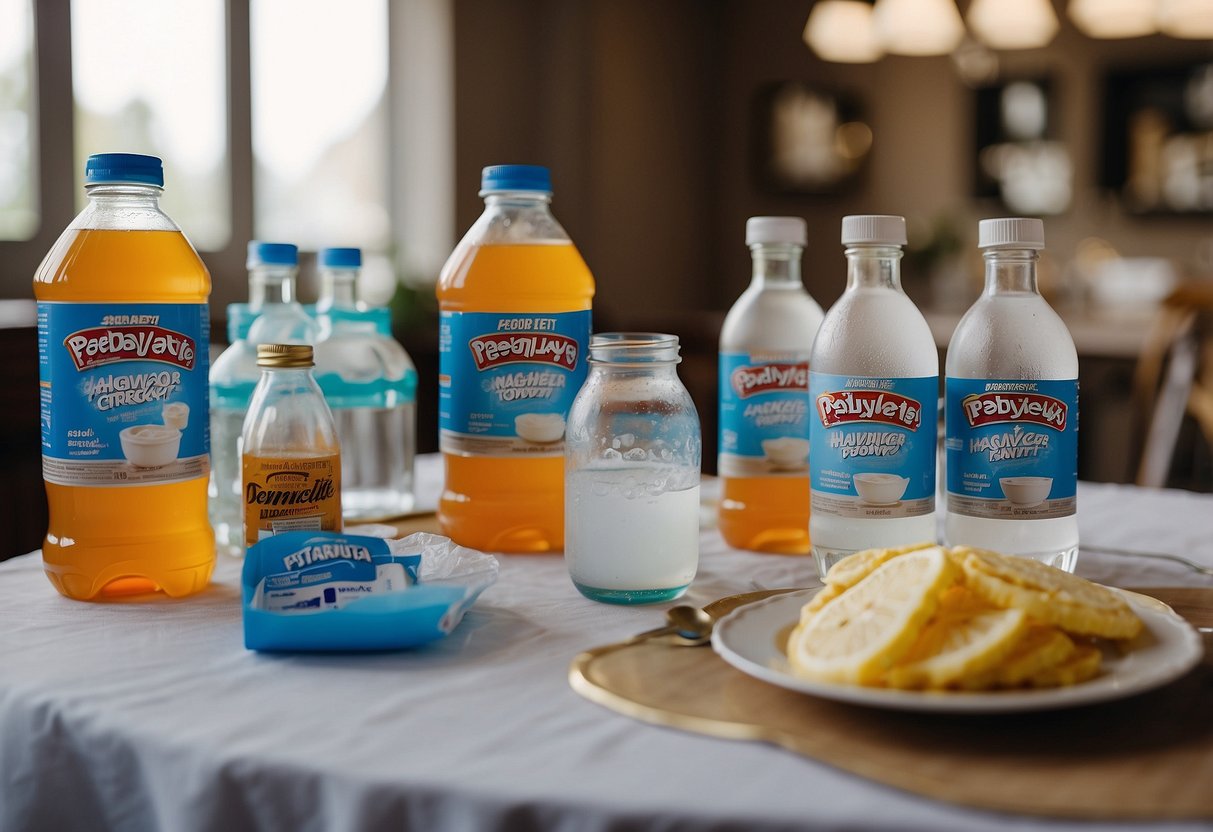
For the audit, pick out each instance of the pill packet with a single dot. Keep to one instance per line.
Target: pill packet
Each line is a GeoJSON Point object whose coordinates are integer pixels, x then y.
{"type": "Point", "coordinates": [328, 591]}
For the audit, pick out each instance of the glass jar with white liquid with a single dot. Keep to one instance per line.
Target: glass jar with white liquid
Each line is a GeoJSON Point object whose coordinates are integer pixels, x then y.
{"type": "Point", "coordinates": [632, 456]}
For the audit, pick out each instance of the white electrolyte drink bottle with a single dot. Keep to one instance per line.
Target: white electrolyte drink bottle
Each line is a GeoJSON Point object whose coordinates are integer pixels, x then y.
{"type": "Point", "coordinates": [1011, 410]}
{"type": "Point", "coordinates": [764, 396]}
{"type": "Point", "coordinates": [874, 386]}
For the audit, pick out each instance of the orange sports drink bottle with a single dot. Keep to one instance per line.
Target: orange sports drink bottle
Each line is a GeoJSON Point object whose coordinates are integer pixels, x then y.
{"type": "Point", "coordinates": [514, 326]}
{"type": "Point", "coordinates": [765, 411]}
{"type": "Point", "coordinates": [123, 333]}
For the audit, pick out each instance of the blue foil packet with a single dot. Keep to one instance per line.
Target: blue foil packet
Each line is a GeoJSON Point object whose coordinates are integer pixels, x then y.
{"type": "Point", "coordinates": [326, 591]}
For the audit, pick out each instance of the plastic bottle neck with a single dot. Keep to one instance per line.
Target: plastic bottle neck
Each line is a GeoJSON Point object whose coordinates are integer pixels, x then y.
{"type": "Point", "coordinates": [123, 206]}
{"type": "Point", "coordinates": [775, 265]}
{"type": "Point", "coordinates": [518, 199]}
{"type": "Point", "coordinates": [873, 267]}
{"type": "Point", "coordinates": [123, 193]}
{"type": "Point", "coordinates": [337, 290]}
{"type": "Point", "coordinates": [271, 285]}
{"type": "Point", "coordinates": [1011, 272]}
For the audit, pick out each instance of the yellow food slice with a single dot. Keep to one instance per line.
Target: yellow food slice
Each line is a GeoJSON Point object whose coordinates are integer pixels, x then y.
{"type": "Point", "coordinates": [860, 634]}
{"type": "Point", "coordinates": [1047, 594]}
{"type": "Point", "coordinates": [1083, 664]}
{"type": "Point", "coordinates": [855, 567]}
{"type": "Point", "coordinates": [1043, 646]}
{"type": "Point", "coordinates": [965, 638]}
{"type": "Point", "coordinates": [959, 600]}
{"type": "Point", "coordinates": [824, 596]}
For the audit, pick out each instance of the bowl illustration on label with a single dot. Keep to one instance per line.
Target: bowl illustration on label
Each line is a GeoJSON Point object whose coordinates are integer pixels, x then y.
{"type": "Point", "coordinates": [539, 427]}
{"type": "Point", "coordinates": [176, 415]}
{"type": "Point", "coordinates": [788, 453]}
{"type": "Point", "coordinates": [1025, 492]}
{"type": "Point", "coordinates": [880, 489]}
{"type": "Point", "coordinates": [150, 446]}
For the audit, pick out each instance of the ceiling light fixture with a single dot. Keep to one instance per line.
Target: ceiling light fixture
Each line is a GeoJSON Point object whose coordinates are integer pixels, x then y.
{"type": "Point", "coordinates": [842, 31]}
{"type": "Point", "coordinates": [918, 27]}
{"type": "Point", "coordinates": [1113, 18]}
{"type": "Point", "coordinates": [1024, 24]}
{"type": "Point", "coordinates": [1186, 18]}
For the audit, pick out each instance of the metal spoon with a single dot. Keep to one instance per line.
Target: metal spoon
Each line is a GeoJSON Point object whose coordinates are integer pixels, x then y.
{"type": "Point", "coordinates": [689, 625]}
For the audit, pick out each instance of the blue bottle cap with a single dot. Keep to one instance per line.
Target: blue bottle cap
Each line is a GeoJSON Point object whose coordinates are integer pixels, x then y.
{"type": "Point", "coordinates": [340, 258]}
{"type": "Point", "coordinates": [271, 254]}
{"type": "Point", "coordinates": [136, 168]}
{"type": "Point", "coordinates": [497, 178]}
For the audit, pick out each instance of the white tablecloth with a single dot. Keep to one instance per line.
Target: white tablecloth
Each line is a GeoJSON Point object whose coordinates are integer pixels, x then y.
{"type": "Point", "coordinates": [152, 715]}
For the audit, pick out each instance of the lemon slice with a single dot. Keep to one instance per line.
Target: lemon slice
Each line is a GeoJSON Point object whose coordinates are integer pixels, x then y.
{"type": "Point", "coordinates": [857, 636]}
{"type": "Point", "coordinates": [1082, 664]}
{"type": "Point", "coordinates": [1043, 646]}
{"type": "Point", "coordinates": [824, 596]}
{"type": "Point", "coordinates": [965, 638]}
{"type": "Point", "coordinates": [858, 565]}
{"type": "Point", "coordinates": [1047, 594]}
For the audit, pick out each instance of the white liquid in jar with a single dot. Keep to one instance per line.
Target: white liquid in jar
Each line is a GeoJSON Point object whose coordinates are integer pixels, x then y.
{"type": "Point", "coordinates": [625, 532]}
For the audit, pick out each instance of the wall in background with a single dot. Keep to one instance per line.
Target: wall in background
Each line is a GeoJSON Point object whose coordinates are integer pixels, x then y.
{"type": "Point", "coordinates": [645, 111]}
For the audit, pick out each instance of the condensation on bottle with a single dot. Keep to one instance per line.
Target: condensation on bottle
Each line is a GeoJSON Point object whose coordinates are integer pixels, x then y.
{"type": "Point", "coordinates": [1011, 410]}
{"type": "Point", "coordinates": [874, 382]}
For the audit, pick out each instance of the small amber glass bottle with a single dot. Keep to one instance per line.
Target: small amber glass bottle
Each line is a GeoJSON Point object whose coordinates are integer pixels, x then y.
{"type": "Point", "coordinates": [290, 456]}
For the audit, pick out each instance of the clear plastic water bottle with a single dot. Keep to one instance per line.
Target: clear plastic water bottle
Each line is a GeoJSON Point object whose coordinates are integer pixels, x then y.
{"type": "Point", "coordinates": [764, 396]}
{"type": "Point", "coordinates": [370, 384]}
{"type": "Point", "coordinates": [273, 315]}
{"type": "Point", "coordinates": [1011, 410]}
{"type": "Point", "coordinates": [874, 382]}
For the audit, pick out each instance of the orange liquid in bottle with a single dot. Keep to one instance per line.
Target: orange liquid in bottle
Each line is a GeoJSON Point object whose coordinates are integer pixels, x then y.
{"type": "Point", "coordinates": [509, 504]}
{"type": "Point", "coordinates": [310, 471]}
{"type": "Point", "coordinates": [113, 541]}
{"type": "Point", "coordinates": [765, 514]}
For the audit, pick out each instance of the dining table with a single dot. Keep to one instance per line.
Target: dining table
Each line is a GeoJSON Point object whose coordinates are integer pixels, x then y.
{"type": "Point", "coordinates": [150, 713]}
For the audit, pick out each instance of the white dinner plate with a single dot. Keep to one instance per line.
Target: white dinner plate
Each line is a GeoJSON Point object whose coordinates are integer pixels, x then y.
{"type": "Point", "coordinates": [751, 640]}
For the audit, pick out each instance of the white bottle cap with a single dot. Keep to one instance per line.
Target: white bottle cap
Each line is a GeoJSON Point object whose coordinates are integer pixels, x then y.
{"type": "Point", "coordinates": [878, 229]}
{"type": "Point", "coordinates": [1011, 232]}
{"type": "Point", "coordinates": [791, 231]}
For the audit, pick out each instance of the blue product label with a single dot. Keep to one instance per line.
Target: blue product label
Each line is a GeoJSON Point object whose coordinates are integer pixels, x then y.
{"type": "Point", "coordinates": [764, 415]}
{"type": "Point", "coordinates": [311, 571]}
{"type": "Point", "coordinates": [873, 445]}
{"type": "Point", "coordinates": [124, 392]}
{"type": "Point", "coordinates": [506, 381]}
{"type": "Point", "coordinates": [1012, 447]}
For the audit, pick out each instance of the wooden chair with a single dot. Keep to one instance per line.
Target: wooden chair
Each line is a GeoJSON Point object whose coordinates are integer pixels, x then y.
{"type": "Point", "coordinates": [22, 496]}
{"type": "Point", "coordinates": [1173, 380]}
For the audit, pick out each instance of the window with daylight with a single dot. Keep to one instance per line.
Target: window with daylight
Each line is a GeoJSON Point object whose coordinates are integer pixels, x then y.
{"type": "Point", "coordinates": [18, 164]}
{"type": "Point", "coordinates": [320, 129]}
{"type": "Point", "coordinates": [150, 77]}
